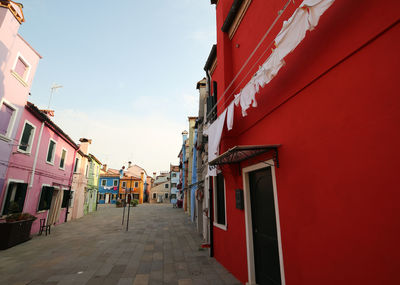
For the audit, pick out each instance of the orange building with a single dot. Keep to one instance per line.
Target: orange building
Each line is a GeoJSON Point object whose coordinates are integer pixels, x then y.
{"type": "Point", "coordinates": [132, 184]}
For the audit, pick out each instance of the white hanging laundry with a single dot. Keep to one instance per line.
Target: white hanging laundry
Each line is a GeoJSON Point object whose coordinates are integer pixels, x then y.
{"type": "Point", "coordinates": [214, 138]}
{"type": "Point", "coordinates": [229, 115]}
{"type": "Point", "coordinates": [237, 99]}
{"type": "Point", "coordinates": [293, 32]}
{"type": "Point", "coordinates": [315, 9]}
{"type": "Point", "coordinates": [259, 79]}
{"type": "Point", "coordinates": [273, 64]}
{"type": "Point", "coordinates": [247, 97]}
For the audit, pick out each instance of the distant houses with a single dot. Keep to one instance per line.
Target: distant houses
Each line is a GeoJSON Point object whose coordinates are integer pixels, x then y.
{"type": "Point", "coordinates": [108, 186]}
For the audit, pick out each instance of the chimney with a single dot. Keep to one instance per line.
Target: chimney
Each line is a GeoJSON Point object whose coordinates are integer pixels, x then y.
{"type": "Point", "coordinates": [142, 176]}
{"type": "Point", "coordinates": [105, 167]}
{"type": "Point", "coordinates": [84, 146]}
{"type": "Point", "coordinates": [129, 164]}
{"type": "Point", "coordinates": [184, 136]}
{"type": "Point", "coordinates": [154, 175]}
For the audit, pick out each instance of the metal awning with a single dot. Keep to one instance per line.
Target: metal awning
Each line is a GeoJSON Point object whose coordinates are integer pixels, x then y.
{"type": "Point", "coordinates": [239, 153]}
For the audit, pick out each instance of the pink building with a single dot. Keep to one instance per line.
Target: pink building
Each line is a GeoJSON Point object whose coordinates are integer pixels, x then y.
{"type": "Point", "coordinates": [18, 62]}
{"type": "Point", "coordinates": [39, 176]}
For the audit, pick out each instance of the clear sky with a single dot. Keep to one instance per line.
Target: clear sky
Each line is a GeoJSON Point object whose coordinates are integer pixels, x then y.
{"type": "Point", "coordinates": [129, 70]}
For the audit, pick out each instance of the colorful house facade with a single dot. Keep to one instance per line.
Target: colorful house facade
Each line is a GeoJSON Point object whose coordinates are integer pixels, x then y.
{"type": "Point", "coordinates": [39, 176]}
{"type": "Point", "coordinates": [161, 190]}
{"type": "Point", "coordinates": [18, 63]}
{"type": "Point", "coordinates": [79, 182]}
{"type": "Point", "coordinates": [174, 178]}
{"type": "Point", "coordinates": [108, 186]}
{"type": "Point", "coordinates": [305, 171]}
{"type": "Point", "coordinates": [93, 174]}
{"type": "Point", "coordinates": [131, 185]}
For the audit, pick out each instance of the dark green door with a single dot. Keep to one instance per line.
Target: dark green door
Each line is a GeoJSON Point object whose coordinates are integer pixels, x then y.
{"type": "Point", "coordinates": [266, 253]}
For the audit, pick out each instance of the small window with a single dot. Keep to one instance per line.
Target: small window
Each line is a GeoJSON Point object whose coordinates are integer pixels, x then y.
{"type": "Point", "coordinates": [51, 151]}
{"type": "Point", "coordinates": [7, 115]}
{"type": "Point", "coordinates": [66, 199]}
{"type": "Point", "coordinates": [123, 184]}
{"type": "Point", "coordinates": [166, 195]}
{"type": "Point", "coordinates": [219, 204]}
{"type": "Point", "coordinates": [21, 68]}
{"type": "Point", "coordinates": [115, 182]}
{"type": "Point", "coordinates": [76, 165]}
{"type": "Point", "coordinates": [45, 198]}
{"type": "Point", "coordinates": [63, 158]}
{"type": "Point", "coordinates": [103, 182]}
{"type": "Point", "coordinates": [136, 184]}
{"type": "Point", "coordinates": [154, 195]}
{"type": "Point", "coordinates": [28, 133]}
{"type": "Point", "coordinates": [87, 171]}
{"type": "Point", "coordinates": [15, 198]}
{"type": "Point", "coordinates": [166, 185]}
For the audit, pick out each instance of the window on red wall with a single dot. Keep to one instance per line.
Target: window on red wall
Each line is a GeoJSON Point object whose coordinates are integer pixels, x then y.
{"type": "Point", "coordinates": [219, 196]}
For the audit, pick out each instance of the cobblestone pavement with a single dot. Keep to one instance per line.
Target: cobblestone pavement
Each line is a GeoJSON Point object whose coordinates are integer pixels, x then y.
{"type": "Point", "coordinates": [161, 247]}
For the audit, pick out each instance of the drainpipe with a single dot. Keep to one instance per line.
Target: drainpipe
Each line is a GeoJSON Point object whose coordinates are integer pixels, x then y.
{"type": "Point", "coordinates": [210, 193]}
{"type": "Point", "coordinates": [34, 163]}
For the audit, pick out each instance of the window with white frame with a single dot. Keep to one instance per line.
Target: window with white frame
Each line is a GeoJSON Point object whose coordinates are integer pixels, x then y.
{"type": "Point", "coordinates": [87, 170]}
{"type": "Point", "coordinates": [115, 182]}
{"type": "Point", "coordinates": [154, 195]}
{"type": "Point", "coordinates": [103, 182]}
{"type": "Point", "coordinates": [15, 198]}
{"type": "Point", "coordinates": [63, 158]}
{"type": "Point", "coordinates": [219, 200]}
{"type": "Point", "coordinates": [166, 195]}
{"type": "Point", "coordinates": [136, 184]}
{"type": "Point", "coordinates": [166, 185]}
{"type": "Point", "coordinates": [51, 150]}
{"type": "Point", "coordinates": [21, 69]}
{"type": "Point", "coordinates": [76, 165]}
{"type": "Point", "coordinates": [123, 184]}
{"type": "Point", "coordinates": [7, 118]}
{"type": "Point", "coordinates": [27, 135]}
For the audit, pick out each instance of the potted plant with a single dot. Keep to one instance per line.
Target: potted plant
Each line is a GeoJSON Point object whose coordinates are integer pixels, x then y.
{"type": "Point", "coordinates": [16, 228]}
{"type": "Point", "coordinates": [119, 204]}
{"type": "Point", "coordinates": [134, 202]}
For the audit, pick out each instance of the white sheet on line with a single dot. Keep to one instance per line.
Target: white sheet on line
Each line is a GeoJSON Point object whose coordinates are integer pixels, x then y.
{"type": "Point", "coordinates": [229, 116]}
{"type": "Point", "coordinates": [293, 31]}
{"type": "Point", "coordinates": [214, 132]}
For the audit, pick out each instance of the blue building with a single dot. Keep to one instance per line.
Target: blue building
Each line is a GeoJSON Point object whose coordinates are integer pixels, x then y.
{"type": "Point", "coordinates": [108, 186]}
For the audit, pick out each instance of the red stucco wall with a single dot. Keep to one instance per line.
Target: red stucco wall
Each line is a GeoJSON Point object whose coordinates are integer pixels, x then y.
{"type": "Point", "coordinates": [334, 108]}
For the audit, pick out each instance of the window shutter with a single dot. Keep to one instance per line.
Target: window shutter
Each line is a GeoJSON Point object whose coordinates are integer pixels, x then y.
{"type": "Point", "coordinates": [7, 202]}
{"type": "Point", "coordinates": [21, 193]}
{"type": "Point", "coordinates": [26, 134]}
{"type": "Point", "coordinates": [5, 118]}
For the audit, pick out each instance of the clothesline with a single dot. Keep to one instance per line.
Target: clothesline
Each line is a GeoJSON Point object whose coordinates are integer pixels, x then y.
{"type": "Point", "coordinates": [280, 12]}
{"type": "Point", "coordinates": [305, 18]}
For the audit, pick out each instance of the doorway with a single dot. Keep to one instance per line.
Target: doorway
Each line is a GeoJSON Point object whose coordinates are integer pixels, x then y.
{"type": "Point", "coordinates": [264, 249]}
{"type": "Point", "coordinates": [55, 207]}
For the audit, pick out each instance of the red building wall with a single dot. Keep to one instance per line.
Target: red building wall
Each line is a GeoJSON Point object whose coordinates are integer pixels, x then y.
{"type": "Point", "coordinates": [334, 108]}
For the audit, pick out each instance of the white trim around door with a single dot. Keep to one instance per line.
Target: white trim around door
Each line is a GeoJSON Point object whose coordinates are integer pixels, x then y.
{"type": "Point", "coordinates": [249, 224]}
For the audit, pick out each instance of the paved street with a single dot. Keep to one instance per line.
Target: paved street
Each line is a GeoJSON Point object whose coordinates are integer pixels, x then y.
{"type": "Point", "coordinates": [161, 247]}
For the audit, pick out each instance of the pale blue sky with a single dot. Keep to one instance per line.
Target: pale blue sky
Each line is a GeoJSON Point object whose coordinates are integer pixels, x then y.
{"type": "Point", "coordinates": [129, 71]}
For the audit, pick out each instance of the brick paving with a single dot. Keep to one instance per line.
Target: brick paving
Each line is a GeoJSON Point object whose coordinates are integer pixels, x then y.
{"type": "Point", "coordinates": [161, 247]}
